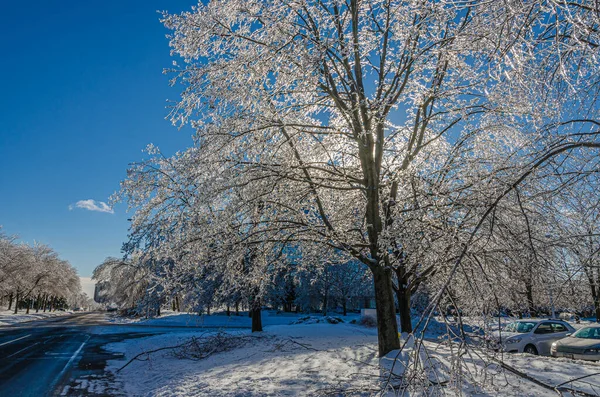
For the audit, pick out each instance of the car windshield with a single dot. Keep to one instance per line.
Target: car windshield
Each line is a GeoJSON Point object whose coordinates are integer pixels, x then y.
{"type": "Point", "coordinates": [588, 333]}
{"type": "Point", "coordinates": [521, 327]}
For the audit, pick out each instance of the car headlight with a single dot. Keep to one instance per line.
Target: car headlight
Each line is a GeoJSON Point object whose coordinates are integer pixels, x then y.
{"type": "Point", "coordinates": [593, 350]}
{"type": "Point", "coordinates": [513, 340]}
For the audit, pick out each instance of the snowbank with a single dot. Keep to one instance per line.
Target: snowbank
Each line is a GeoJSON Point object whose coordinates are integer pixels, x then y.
{"type": "Point", "coordinates": [7, 317]}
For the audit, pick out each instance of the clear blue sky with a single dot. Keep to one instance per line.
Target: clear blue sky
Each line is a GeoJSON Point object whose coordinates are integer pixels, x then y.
{"type": "Point", "coordinates": [82, 93]}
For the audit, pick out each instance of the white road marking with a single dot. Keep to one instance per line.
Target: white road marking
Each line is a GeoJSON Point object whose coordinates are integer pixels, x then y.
{"type": "Point", "coordinates": [14, 340]}
{"type": "Point", "coordinates": [22, 350]}
{"type": "Point", "coordinates": [71, 360]}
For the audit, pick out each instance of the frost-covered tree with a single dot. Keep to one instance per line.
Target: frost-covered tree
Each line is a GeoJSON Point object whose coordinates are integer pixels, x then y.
{"type": "Point", "coordinates": [35, 276]}
{"type": "Point", "coordinates": [388, 131]}
{"type": "Point", "coordinates": [323, 108]}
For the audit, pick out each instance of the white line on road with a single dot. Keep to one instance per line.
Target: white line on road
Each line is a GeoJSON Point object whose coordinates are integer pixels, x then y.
{"type": "Point", "coordinates": [71, 360]}
{"type": "Point", "coordinates": [14, 340]}
{"type": "Point", "coordinates": [23, 349]}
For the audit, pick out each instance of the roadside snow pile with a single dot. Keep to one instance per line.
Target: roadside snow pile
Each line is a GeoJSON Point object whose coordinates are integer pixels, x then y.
{"type": "Point", "coordinates": [7, 317]}
{"type": "Point", "coordinates": [317, 320]}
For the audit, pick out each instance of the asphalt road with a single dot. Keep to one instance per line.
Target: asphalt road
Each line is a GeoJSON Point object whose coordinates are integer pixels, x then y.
{"type": "Point", "coordinates": [48, 357]}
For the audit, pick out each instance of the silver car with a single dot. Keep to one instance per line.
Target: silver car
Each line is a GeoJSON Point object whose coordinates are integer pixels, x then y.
{"type": "Point", "coordinates": [531, 336]}
{"type": "Point", "coordinates": [582, 345]}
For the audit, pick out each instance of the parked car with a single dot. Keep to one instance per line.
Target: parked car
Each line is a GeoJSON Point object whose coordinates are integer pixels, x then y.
{"type": "Point", "coordinates": [581, 345]}
{"type": "Point", "coordinates": [530, 336]}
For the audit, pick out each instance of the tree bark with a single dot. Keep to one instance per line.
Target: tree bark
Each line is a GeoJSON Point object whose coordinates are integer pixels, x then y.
{"type": "Point", "coordinates": [403, 296]}
{"type": "Point", "coordinates": [595, 297]}
{"type": "Point", "coordinates": [387, 328]}
{"type": "Point", "coordinates": [344, 306]}
{"type": "Point", "coordinates": [529, 293]}
{"type": "Point", "coordinates": [10, 301]}
{"type": "Point", "coordinates": [256, 319]}
{"type": "Point", "coordinates": [17, 302]}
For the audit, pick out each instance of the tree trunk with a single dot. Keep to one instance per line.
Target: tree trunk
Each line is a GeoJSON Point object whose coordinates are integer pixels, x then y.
{"type": "Point", "coordinates": [237, 308]}
{"type": "Point", "coordinates": [228, 311]}
{"type": "Point", "coordinates": [529, 293]}
{"type": "Point", "coordinates": [387, 328]}
{"type": "Point", "coordinates": [10, 301]}
{"type": "Point", "coordinates": [344, 306]}
{"type": "Point", "coordinates": [256, 319]}
{"type": "Point", "coordinates": [28, 305]}
{"type": "Point", "coordinates": [403, 297]}
{"type": "Point", "coordinates": [17, 302]}
{"type": "Point", "coordinates": [177, 303]}
{"type": "Point", "coordinates": [595, 297]}
{"type": "Point", "coordinates": [325, 303]}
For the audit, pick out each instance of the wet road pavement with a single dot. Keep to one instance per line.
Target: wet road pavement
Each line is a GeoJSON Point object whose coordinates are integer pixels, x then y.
{"type": "Point", "coordinates": [55, 357]}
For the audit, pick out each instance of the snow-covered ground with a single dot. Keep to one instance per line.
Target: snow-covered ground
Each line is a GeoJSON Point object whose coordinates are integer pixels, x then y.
{"type": "Point", "coordinates": [170, 318]}
{"type": "Point", "coordinates": [7, 317]}
{"type": "Point", "coordinates": [301, 359]}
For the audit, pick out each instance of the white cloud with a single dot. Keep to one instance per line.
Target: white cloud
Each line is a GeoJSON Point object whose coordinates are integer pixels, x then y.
{"type": "Point", "coordinates": [92, 205]}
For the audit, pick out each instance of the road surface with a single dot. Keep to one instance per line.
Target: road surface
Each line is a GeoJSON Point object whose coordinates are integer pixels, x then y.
{"type": "Point", "coordinates": [54, 357]}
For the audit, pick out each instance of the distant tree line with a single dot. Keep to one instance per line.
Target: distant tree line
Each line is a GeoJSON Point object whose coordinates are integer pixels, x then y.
{"type": "Point", "coordinates": [33, 277]}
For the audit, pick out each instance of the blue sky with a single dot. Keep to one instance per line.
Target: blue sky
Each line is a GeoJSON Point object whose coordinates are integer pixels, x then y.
{"type": "Point", "coordinates": [82, 94]}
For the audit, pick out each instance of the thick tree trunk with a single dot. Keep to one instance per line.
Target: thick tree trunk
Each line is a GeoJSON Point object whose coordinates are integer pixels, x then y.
{"type": "Point", "coordinates": [237, 308]}
{"type": "Point", "coordinates": [10, 301]}
{"type": "Point", "coordinates": [595, 298]}
{"type": "Point", "coordinates": [256, 319]}
{"type": "Point", "coordinates": [17, 303]}
{"type": "Point", "coordinates": [177, 303]}
{"type": "Point", "coordinates": [28, 306]}
{"type": "Point", "coordinates": [228, 311]}
{"type": "Point", "coordinates": [529, 293]}
{"type": "Point", "coordinates": [325, 303]}
{"type": "Point", "coordinates": [387, 328]}
{"type": "Point", "coordinates": [344, 306]}
{"type": "Point", "coordinates": [403, 297]}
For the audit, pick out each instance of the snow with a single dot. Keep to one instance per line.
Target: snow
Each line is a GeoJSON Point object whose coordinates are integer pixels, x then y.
{"type": "Point", "coordinates": [170, 318]}
{"type": "Point", "coordinates": [7, 317]}
{"type": "Point", "coordinates": [307, 358]}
